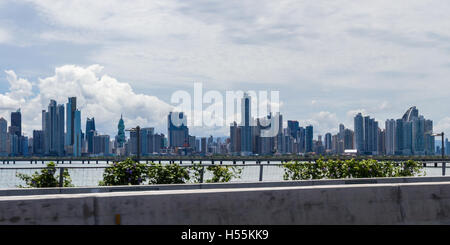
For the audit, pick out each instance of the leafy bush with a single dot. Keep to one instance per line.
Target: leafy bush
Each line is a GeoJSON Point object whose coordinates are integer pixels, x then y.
{"type": "Point", "coordinates": [337, 169]}
{"type": "Point", "coordinates": [127, 172]}
{"type": "Point", "coordinates": [167, 174]}
{"type": "Point", "coordinates": [223, 173]}
{"type": "Point", "coordinates": [46, 178]}
{"type": "Point", "coordinates": [197, 174]}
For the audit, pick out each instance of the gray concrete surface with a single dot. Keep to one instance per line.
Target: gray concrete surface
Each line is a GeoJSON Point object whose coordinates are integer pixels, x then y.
{"type": "Point", "coordinates": [103, 189]}
{"type": "Point", "coordinates": [401, 203]}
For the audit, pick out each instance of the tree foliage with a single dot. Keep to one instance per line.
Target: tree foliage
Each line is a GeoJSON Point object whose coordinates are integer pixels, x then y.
{"type": "Point", "coordinates": [127, 172]}
{"type": "Point", "coordinates": [167, 174]}
{"type": "Point", "coordinates": [46, 178]}
{"type": "Point", "coordinates": [223, 173]}
{"type": "Point", "coordinates": [337, 169]}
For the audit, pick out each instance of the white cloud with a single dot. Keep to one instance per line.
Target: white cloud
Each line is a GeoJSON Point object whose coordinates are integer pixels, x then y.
{"type": "Point", "coordinates": [102, 97]}
{"type": "Point", "coordinates": [443, 126]}
{"type": "Point", "coordinates": [5, 36]}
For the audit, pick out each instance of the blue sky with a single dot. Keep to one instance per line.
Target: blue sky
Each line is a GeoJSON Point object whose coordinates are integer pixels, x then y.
{"type": "Point", "coordinates": [328, 59]}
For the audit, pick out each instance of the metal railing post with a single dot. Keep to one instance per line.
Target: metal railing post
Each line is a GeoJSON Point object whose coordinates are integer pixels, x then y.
{"type": "Point", "coordinates": [261, 172]}
{"type": "Point", "coordinates": [61, 177]}
{"type": "Point", "coordinates": [202, 173]}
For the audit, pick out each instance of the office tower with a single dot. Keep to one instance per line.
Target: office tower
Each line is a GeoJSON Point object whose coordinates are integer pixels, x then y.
{"type": "Point", "coordinates": [90, 131]}
{"type": "Point", "coordinates": [71, 107]}
{"type": "Point", "coordinates": [341, 132]}
{"type": "Point", "coordinates": [382, 142]}
{"type": "Point", "coordinates": [53, 129]}
{"type": "Point", "coordinates": [399, 139]}
{"type": "Point", "coordinates": [178, 131]}
{"type": "Point", "coordinates": [38, 142]}
{"type": "Point", "coordinates": [3, 137]}
{"type": "Point", "coordinates": [157, 143]}
{"type": "Point", "coordinates": [146, 133]}
{"type": "Point", "coordinates": [390, 134]}
{"type": "Point", "coordinates": [246, 130]}
{"type": "Point", "coordinates": [348, 136]}
{"type": "Point", "coordinates": [235, 138]}
{"type": "Point", "coordinates": [429, 139]}
{"type": "Point", "coordinates": [309, 134]}
{"type": "Point", "coordinates": [447, 147]}
{"type": "Point", "coordinates": [16, 123]}
{"type": "Point", "coordinates": [418, 136]}
{"type": "Point", "coordinates": [301, 139]}
{"type": "Point", "coordinates": [120, 138]}
{"type": "Point", "coordinates": [204, 146]}
{"type": "Point", "coordinates": [407, 138]}
{"type": "Point", "coordinates": [359, 133]}
{"type": "Point", "coordinates": [414, 134]}
{"type": "Point", "coordinates": [73, 122]}
{"type": "Point", "coordinates": [256, 138]}
{"type": "Point", "coordinates": [101, 145]}
{"type": "Point", "coordinates": [366, 135]}
{"type": "Point", "coordinates": [328, 142]}
{"type": "Point", "coordinates": [293, 127]}
{"type": "Point", "coordinates": [335, 146]}
{"type": "Point", "coordinates": [192, 143]}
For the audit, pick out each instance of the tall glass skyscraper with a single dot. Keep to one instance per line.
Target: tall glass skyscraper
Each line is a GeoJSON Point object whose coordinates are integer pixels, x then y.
{"type": "Point", "coordinates": [73, 135]}
{"type": "Point", "coordinates": [178, 132]}
{"type": "Point", "coordinates": [3, 137]}
{"type": "Point", "coordinates": [120, 137]}
{"type": "Point", "coordinates": [90, 132]}
{"type": "Point", "coordinates": [309, 134]}
{"type": "Point", "coordinates": [246, 129]}
{"type": "Point", "coordinates": [359, 133]}
{"type": "Point", "coordinates": [53, 129]}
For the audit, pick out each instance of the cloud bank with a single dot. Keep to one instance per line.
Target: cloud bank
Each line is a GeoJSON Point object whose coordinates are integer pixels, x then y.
{"type": "Point", "coordinates": [98, 95]}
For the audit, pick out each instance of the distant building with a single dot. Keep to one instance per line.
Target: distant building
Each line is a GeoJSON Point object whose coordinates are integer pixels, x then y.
{"type": "Point", "coordinates": [3, 137]}
{"type": "Point", "coordinates": [309, 134]}
{"type": "Point", "coordinates": [178, 132]}
{"type": "Point", "coordinates": [90, 132]}
{"type": "Point", "coordinates": [73, 127]}
{"type": "Point", "coordinates": [38, 143]}
{"type": "Point", "coordinates": [120, 138]}
{"type": "Point", "coordinates": [53, 129]}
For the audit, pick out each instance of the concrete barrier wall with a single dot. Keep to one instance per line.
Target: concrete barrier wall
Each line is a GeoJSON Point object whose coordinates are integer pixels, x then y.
{"type": "Point", "coordinates": [103, 189]}
{"type": "Point", "coordinates": [407, 203]}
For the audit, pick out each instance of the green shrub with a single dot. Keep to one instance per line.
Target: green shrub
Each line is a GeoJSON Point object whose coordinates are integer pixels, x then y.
{"type": "Point", "coordinates": [127, 172]}
{"type": "Point", "coordinates": [338, 169]}
{"type": "Point", "coordinates": [167, 174]}
{"type": "Point", "coordinates": [46, 178]}
{"type": "Point", "coordinates": [223, 173]}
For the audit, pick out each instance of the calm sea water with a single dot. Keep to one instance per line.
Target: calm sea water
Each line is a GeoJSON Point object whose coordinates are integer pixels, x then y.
{"type": "Point", "coordinates": [91, 174]}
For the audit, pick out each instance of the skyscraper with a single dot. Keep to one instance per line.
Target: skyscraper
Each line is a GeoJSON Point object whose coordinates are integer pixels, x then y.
{"type": "Point", "coordinates": [359, 133]}
{"type": "Point", "coordinates": [73, 135]}
{"type": "Point", "coordinates": [366, 135]}
{"type": "Point", "coordinates": [390, 135]}
{"type": "Point", "coordinates": [246, 130]}
{"type": "Point", "coordinates": [53, 129]}
{"type": "Point", "coordinates": [90, 132]}
{"type": "Point", "coordinates": [178, 131]}
{"type": "Point", "coordinates": [38, 142]}
{"type": "Point", "coordinates": [235, 138]}
{"type": "Point", "coordinates": [16, 123]}
{"type": "Point", "coordinates": [120, 138]}
{"type": "Point", "coordinates": [309, 134]}
{"type": "Point", "coordinates": [3, 137]}
{"type": "Point", "coordinates": [328, 141]}
{"type": "Point", "coordinates": [293, 127]}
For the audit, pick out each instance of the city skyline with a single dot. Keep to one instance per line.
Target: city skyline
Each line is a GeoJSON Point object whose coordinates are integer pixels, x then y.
{"type": "Point", "coordinates": [376, 57]}
{"type": "Point", "coordinates": [160, 124]}
{"type": "Point", "coordinates": [61, 134]}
